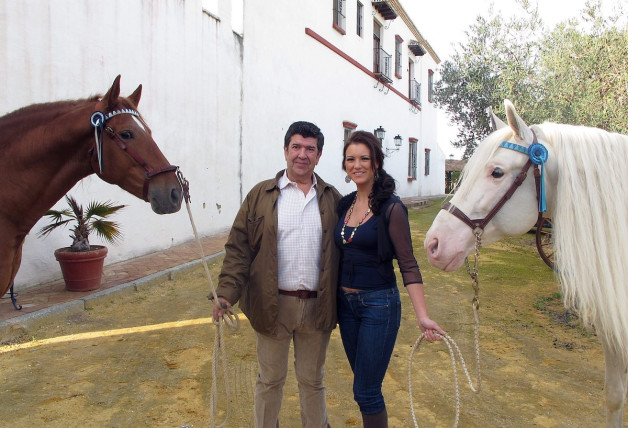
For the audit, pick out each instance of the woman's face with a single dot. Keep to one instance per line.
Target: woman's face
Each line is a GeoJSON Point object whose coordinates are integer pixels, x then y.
{"type": "Point", "coordinates": [359, 165]}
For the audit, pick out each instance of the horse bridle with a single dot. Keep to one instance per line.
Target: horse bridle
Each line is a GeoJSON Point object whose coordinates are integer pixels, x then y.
{"type": "Point", "coordinates": [537, 154]}
{"type": "Point", "coordinates": [99, 121]}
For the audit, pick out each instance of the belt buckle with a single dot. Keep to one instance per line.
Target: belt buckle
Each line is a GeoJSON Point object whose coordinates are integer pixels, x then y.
{"type": "Point", "coordinates": [303, 294]}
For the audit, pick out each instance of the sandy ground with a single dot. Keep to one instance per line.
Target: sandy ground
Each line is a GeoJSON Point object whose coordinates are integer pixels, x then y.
{"type": "Point", "coordinates": [145, 359]}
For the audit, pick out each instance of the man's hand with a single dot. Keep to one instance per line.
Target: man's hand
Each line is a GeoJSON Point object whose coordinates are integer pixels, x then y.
{"type": "Point", "coordinates": [220, 307]}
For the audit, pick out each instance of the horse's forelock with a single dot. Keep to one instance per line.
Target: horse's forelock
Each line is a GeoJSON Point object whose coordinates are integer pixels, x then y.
{"type": "Point", "coordinates": [485, 150]}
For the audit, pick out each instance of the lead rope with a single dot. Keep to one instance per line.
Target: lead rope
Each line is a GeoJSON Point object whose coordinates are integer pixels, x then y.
{"type": "Point", "coordinates": [473, 273]}
{"type": "Point", "coordinates": [229, 318]}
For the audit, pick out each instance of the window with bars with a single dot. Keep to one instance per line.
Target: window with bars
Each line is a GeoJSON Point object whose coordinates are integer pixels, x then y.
{"type": "Point", "coordinates": [339, 16]}
{"type": "Point", "coordinates": [360, 19]}
{"type": "Point", "coordinates": [398, 45]}
{"type": "Point", "coordinates": [348, 127]}
{"type": "Point", "coordinates": [427, 161]}
{"type": "Point", "coordinates": [412, 158]}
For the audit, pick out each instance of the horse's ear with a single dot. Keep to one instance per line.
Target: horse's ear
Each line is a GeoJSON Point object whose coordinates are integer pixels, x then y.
{"type": "Point", "coordinates": [113, 93]}
{"type": "Point", "coordinates": [517, 124]}
{"type": "Point", "coordinates": [496, 122]}
{"type": "Point", "coordinates": [135, 96]}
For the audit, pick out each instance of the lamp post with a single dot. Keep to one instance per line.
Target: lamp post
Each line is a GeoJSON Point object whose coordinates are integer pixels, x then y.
{"type": "Point", "coordinates": [398, 140]}
{"type": "Point", "coordinates": [380, 133]}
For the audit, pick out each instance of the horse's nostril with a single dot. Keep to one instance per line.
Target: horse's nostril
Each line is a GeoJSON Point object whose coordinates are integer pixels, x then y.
{"type": "Point", "coordinates": [175, 195]}
{"type": "Point", "coordinates": [432, 247]}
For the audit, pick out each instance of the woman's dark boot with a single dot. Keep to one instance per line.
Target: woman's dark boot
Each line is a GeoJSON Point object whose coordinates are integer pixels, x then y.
{"type": "Point", "coordinates": [378, 420]}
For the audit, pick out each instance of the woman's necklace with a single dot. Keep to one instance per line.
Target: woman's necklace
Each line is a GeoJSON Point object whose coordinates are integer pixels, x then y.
{"type": "Point", "coordinates": [342, 231]}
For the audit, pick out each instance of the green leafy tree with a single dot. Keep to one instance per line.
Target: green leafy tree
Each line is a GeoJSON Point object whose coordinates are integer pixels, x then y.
{"type": "Point", "coordinates": [497, 62]}
{"type": "Point", "coordinates": [575, 74]}
{"type": "Point", "coordinates": [584, 71]}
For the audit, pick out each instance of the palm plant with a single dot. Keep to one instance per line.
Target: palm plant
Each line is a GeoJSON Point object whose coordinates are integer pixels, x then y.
{"type": "Point", "coordinates": [92, 219]}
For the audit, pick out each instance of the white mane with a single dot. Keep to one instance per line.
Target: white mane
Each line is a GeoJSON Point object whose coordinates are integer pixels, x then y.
{"type": "Point", "coordinates": [591, 226]}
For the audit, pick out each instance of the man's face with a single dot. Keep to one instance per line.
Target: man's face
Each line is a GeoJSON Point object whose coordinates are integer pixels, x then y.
{"type": "Point", "coordinates": [302, 156]}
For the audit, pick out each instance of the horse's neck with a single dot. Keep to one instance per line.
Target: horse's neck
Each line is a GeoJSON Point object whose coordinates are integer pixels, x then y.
{"type": "Point", "coordinates": [44, 162]}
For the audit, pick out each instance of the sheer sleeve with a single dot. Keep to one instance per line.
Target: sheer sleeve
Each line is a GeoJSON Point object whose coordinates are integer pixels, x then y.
{"type": "Point", "coordinates": [399, 232]}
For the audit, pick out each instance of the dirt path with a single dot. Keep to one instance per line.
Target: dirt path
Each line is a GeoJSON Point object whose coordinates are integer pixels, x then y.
{"type": "Point", "coordinates": [537, 372]}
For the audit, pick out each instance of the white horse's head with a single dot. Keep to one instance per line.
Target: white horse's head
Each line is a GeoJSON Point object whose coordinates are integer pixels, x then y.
{"type": "Point", "coordinates": [488, 175]}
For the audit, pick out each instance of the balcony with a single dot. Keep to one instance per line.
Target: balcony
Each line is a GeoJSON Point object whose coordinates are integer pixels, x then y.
{"type": "Point", "coordinates": [385, 8]}
{"type": "Point", "coordinates": [416, 48]}
{"type": "Point", "coordinates": [415, 92]}
{"type": "Point", "coordinates": [381, 65]}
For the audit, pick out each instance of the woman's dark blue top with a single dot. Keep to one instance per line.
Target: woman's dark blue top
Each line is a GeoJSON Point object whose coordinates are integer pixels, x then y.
{"type": "Point", "coordinates": [359, 267]}
{"type": "Point", "coordinates": [367, 261]}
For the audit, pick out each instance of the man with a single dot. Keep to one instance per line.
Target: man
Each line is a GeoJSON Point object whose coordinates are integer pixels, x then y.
{"type": "Point", "coordinates": [281, 264]}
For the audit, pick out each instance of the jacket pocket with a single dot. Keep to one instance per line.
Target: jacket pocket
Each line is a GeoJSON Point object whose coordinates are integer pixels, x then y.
{"type": "Point", "coordinates": [255, 230]}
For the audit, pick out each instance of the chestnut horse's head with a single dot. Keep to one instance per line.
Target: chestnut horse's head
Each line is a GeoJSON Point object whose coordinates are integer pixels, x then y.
{"type": "Point", "coordinates": [126, 154]}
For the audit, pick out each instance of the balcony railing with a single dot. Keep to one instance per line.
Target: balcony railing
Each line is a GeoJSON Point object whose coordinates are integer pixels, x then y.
{"type": "Point", "coordinates": [415, 92]}
{"type": "Point", "coordinates": [381, 65]}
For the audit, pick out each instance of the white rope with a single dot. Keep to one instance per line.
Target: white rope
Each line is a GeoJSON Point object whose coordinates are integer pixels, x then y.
{"type": "Point", "coordinates": [229, 318]}
{"type": "Point", "coordinates": [450, 342]}
{"type": "Point", "coordinates": [473, 273]}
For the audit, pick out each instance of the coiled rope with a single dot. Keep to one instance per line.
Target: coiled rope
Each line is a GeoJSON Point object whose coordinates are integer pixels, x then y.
{"type": "Point", "coordinates": [473, 273]}
{"type": "Point", "coordinates": [229, 318]}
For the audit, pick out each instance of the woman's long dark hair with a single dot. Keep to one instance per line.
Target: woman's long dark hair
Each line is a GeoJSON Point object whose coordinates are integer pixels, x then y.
{"type": "Point", "coordinates": [384, 185]}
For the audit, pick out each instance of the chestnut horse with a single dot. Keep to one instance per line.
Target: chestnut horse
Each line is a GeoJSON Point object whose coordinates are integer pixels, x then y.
{"type": "Point", "coordinates": [45, 149]}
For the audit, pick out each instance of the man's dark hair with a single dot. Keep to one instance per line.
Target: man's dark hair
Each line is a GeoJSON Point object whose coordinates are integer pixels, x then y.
{"type": "Point", "coordinates": [306, 130]}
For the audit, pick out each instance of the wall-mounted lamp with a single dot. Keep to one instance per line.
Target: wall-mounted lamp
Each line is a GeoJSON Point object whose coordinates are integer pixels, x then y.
{"type": "Point", "coordinates": [398, 140]}
{"type": "Point", "coordinates": [380, 133]}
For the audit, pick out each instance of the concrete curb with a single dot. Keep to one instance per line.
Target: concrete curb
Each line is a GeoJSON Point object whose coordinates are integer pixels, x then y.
{"type": "Point", "coordinates": [21, 325]}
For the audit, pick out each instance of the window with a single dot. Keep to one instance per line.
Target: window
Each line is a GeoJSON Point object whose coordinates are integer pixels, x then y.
{"type": "Point", "coordinates": [339, 16]}
{"type": "Point", "coordinates": [349, 127]}
{"type": "Point", "coordinates": [398, 44]}
{"type": "Point", "coordinates": [414, 87]}
{"type": "Point", "coordinates": [430, 86]}
{"type": "Point", "coordinates": [427, 161]}
{"type": "Point", "coordinates": [412, 158]}
{"type": "Point", "coordinates": [359, 19]}
{"type": "Point", "coordinates": [381, 59]}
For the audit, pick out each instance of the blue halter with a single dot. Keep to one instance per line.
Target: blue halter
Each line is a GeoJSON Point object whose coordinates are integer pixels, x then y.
{"type": "Point", "coordinates": [537, 153]}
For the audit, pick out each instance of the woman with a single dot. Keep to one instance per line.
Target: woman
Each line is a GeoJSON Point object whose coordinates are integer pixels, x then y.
{"type": "Point", "coordinates": [373, 228]}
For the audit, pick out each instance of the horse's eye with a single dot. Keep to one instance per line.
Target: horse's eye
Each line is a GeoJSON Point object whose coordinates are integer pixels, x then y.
{"type": "Point", "coordinates": [497, 173]}
{"type": "Point", "coordinates": [126, 135]}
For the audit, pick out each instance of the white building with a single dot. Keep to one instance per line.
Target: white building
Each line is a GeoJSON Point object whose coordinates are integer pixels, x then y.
{"type": "Point", "coordinates": [222, 80]}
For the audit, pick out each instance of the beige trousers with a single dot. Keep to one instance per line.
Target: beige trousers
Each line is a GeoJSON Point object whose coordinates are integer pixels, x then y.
{"type": "Point", "coordinates": [295, 324]}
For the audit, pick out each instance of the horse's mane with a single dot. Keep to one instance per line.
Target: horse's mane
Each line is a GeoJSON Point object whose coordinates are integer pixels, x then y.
{"type": "Point", "coordinates": [19, 122]}
{"type": "Point", "coordinates": [58, 107]}
{"type": "Point", "coordinates": [589, 212]}
{"type": "Point", "coordinates": [590, 227]}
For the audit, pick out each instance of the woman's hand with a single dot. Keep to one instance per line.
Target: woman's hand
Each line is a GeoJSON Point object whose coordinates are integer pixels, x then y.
{"type": "Point", "coordinates": [430, 328]}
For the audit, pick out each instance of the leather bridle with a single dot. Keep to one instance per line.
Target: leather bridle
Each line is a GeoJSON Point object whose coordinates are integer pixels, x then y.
{"type": "Point", "coordinates": [537, 156]}
{"type": "Point", "coordinates": [99, 121]}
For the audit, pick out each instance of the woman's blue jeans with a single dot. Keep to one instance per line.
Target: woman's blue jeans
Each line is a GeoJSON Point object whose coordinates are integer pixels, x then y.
{"type": "Point", "coordinates": [369, 322]}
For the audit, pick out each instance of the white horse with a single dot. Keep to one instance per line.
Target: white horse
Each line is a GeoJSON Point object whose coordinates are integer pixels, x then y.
{"type": "Point", "coordinates": [586, 190]}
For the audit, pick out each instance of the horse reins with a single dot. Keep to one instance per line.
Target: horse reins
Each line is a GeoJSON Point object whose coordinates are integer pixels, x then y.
{"type": "Point", "coordinates": [99, 121]}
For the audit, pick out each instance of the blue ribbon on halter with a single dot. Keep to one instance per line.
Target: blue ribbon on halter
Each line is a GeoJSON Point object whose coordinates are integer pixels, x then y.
{"type": "Point", "coordinates": [537, 153]}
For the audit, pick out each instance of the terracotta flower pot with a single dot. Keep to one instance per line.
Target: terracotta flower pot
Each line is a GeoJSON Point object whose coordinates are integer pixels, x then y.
{"type": "Point", "coordinates": [82, 271]}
